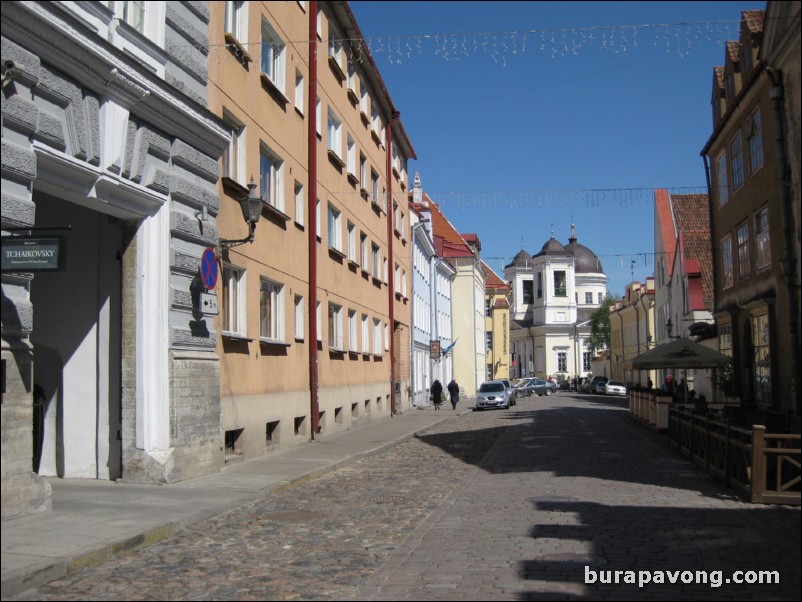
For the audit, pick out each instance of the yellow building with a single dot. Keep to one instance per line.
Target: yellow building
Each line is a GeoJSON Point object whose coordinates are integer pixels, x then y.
{"type": "Point", "coordinates": [314, 310]}
{"type": "Point", "coordinates": [632, 333]}
{"type": "Point", "coordinates": [497, 325]}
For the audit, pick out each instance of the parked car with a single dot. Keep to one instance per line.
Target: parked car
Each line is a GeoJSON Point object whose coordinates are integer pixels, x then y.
{"type": "Point", "coordinates": [523, 387]}
{"type": "Point", "coordinates": [543, 387]}
{"type": "Point", "coordinates": [615, 387]}
{"type": "Point", "coordinates": [596, 384]}
{"type": "Point", "coordinates": [510, 388]}
{"type": "Point", "coordinates": [493, 394]}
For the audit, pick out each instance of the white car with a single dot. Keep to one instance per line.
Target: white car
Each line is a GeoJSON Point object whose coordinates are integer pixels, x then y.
{"type": "Point", "coordinates": [615, 387]}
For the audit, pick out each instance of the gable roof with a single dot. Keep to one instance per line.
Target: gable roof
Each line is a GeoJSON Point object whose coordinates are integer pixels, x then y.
{"type": "Point", "coordinates": [692, 220]}
{"type": "Point", "coordinates": [493, 281]}
{"type": "Point", "coordinates": [451, 242]}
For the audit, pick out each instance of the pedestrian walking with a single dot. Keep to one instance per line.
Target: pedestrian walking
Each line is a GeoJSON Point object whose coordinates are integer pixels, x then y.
{"type": "Point", "coordinates": [453, 391]}
{"type": "Point", "coordinates": [437, 394]}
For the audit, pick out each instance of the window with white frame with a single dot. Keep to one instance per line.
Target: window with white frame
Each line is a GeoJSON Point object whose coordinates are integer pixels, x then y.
{"type": "Point", "coordinates": [336, 48]}
{"type": "Point", "coordinates": [374, 187]}
{"type": "Point", "coordinates": [397, 278]}
{"type": "Point", "coordinates": [742, 240]}
{"type": "Point", "coordinates": [232, 300]}
{"type": "Point", "coordinates": [335, 129]}
{"type": "Point", "coordinates": [562, 361]}
{"type": "Point", "coordinates": [351, 158]}
{"type": "Point", "coordinates": [754, 139]}
{"type": "Point", "coordinates": [365, 334]}
{"type": "Point", "coordinates": [601, 298]}
{"type": "Point", "coordinates": [363, 171]}
{"type": "Point", "coordinates": [335, 326]}
{"type": "Point", "coordinates": [234, 158]}
{"type": "Point", "coordinates": [318, 117]}
{"type": "Point", "coordinates": [300, 91]}
{"type": "Point", "coordinates": [363, 97]}
{"type": "Point", "coordinates": [375, 120]}
{"type": "Point", "coordinates": [299, 318]}
{"type": "Point", "coordinates": [134, 15]}
{"type": "Point", "coordinates": [335, 228]}
{"type": "Point", "coordinates": [737, 162]}
{"type": "Point", "coordinates": [587, 361]}
{"type": "Point", "coordinates": [588, 298]}
{"type": "Point", "coordinates": [364, 258]}
{"type": "Point", "coordinates": [722, 182]}
{"type": "Point", "coordinates": [376, 263]}
{"type": "Point", "coordinates": [404, 283]}
{"type": "Point", "coordinates": [377, 337]}
{"type": "Point", "coordinates": [351, 241]}
{"type": "Point", "coordinates": [386, 337]}
{"type": "Point", "coordinates": [353, 331]}
{"type": "Point", "coordinates": [351, 75]}
{"type": "Point", "coordinates": [273, 55]}
{"type": "Point", "coordinates": [300, 204]}
{"type": "Point", "coordinates": [235, 22]}
{"type": "Point", "coordinates": [318, 227]}
{"type": "Point", "coordinates": [319, 315]}
{"type": "Point", "coordinates": [271, 310]}
{"type": "Point", "coordinates": [762, 240]}
{"type": "Point", "coordinates": [271, 186]}
{"type": "Point", "coordinates": [726, 262]}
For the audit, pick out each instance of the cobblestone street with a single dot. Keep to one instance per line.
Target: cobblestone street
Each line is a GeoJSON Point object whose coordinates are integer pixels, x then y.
{"type": "Point", "coordinates": [497, 505]}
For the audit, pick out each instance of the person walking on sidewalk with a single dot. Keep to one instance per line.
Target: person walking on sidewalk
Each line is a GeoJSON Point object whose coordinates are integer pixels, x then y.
{"type": "Point", "coordinates": [453, 391]}
{"type": "Point", "coordinates": [437, 393]}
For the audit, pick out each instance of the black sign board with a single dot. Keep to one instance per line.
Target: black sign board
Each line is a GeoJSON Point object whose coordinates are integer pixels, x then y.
{"type": "Point", "coordinates": [33, 254]}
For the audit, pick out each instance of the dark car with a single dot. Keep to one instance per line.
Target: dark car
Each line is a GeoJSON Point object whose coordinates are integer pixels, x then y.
{"type": "Point", "coordinates": [543, 387]}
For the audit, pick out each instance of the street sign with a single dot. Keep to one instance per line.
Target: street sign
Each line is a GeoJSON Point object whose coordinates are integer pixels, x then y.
{"type": "Point", "coordinates": [33, 254]}
{"type": "Point", "coordinates": [209, 269]}
{"type": "Point", "coordinates": [208, 304]}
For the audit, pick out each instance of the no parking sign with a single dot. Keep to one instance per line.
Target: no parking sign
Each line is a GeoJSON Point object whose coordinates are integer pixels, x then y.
{"type": "Point", "coordinates": [209, 269]}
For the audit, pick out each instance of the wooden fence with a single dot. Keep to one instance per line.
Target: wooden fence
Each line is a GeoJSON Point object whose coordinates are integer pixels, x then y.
{"type": "Point", "coordinates": [764, 466]}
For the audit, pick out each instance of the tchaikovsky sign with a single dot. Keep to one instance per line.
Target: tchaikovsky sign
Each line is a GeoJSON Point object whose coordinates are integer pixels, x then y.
{"type": "Point", "coordinates": [33, 254]}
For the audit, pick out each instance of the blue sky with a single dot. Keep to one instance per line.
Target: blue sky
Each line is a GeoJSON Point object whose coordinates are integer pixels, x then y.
{"type": "Point", "coordinates": [577, 119]}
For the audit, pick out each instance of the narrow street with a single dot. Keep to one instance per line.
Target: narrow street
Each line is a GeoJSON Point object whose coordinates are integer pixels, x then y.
{"type": "Point", "coordinates": [499, 505]}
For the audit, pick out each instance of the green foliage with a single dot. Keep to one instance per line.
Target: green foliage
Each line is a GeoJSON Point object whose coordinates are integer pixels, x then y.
{"type": "Point", "coordinates": [599, 339]}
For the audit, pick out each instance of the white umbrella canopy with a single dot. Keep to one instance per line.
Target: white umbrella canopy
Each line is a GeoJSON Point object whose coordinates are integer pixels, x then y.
{"type": "Point", "coordinates": [680, 353]}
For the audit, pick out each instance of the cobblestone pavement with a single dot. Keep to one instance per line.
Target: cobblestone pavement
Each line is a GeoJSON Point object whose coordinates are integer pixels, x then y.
{"type": "Point", "coordinates": [500, 505]}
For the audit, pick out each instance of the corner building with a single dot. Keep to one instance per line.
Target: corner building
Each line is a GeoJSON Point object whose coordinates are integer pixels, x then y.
{"type": "Point", "coordinates": [314, 313]}
{"type": "Point", "coordinates": [110, 372]}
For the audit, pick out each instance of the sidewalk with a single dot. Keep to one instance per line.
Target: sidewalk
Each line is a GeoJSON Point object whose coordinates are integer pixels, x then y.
{"type": "Point", "coordinates": [93, 520]}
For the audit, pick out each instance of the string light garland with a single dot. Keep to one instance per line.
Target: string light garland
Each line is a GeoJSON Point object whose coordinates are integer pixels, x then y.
{"type": "Point", "coordinates": [501, 46]}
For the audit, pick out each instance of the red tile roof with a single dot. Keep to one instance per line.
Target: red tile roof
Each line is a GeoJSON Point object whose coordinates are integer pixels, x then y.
{"type": "Point", "coordinates": [453, 245]}
{"type": "Point", "coordinates": [692, 218]}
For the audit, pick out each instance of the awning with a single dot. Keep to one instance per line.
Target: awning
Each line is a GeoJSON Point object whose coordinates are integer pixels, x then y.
{"type": "Point", "coordinates": [679, 353]}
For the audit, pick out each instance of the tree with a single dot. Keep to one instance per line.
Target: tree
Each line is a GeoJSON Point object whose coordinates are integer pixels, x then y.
{"type": "Point", "coordinates": [599, 339]}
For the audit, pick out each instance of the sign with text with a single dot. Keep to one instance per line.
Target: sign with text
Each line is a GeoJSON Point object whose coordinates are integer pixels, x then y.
{"type": "Point", "coordinates": [33, 254]}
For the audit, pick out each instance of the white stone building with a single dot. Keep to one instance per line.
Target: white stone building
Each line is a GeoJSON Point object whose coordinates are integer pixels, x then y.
{"type": "Point", "coordinates": [554, 293]}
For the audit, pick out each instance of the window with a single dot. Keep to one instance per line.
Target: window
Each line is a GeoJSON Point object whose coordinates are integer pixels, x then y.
{"type": "Point", "coordinates": [377, 337]}
{"type": "Point", "coordinates": [232, 300]}
{"type": "Point", "coordinates": [737, 162]}
{"type": "Point", "coordinates": [351, 242]}
{"type": "Point", "coordinates": [754, 139]}
{"type": "Point", "coordinates": [747, 59]}
{"type": "Point", "coordinates": [318, 117]}
{"type": "Point", "coordinates": [319, 316]}
{"type": "Point", "coordinates": [762, 240]}
{"type": "Point", "coordinates": [365, 334]}
{"type": "Point", "coordinates": [404, 283]}
{"type": "Point", "coordinates": [271, 311]}
{"type": "Point", "coordinates": [317, 219]}
{"type": "Point", "coordinates": [364, 257]}
{"type": "Point", "coordinates": [363, 170]}
{"type": "Point", "coordinates": [374, 187]}
{"type": "Point", "coordinates": [726, 262]}
{"type": "Point", "coordinates": [335, 326]}
{"type": "Point", "coordinates": [560, 289]}
{"type": "Point", "coordinates": [540, 285]}
{"type": "Point", "coordinates": [299, 318]}
{"type": "Point", "coordinates": [134, 15]}
{"type": "Point", "coordinates": [235, 20]}
{"type": "Point", "coordinates": [336, 49]}
{"type": "Point", "coordinates": [271, 186]}
{"type": "Point", "coordinates": [335, 228]}
{"type": "Point", "coordinates": [335, 128]}
{"type": "Point", "coordinates": [351, 158]}
{"type": "Point", "coordinates": [762, 359]}
{"type": "Point", "coordinates": [375, 121]}
{"type": "Point", "coordinates": [587, 358]}
{"type": "Point", "coordinates": [234, 155]}
{"type": "Point", "coordinates": [489, 341]}
{"type": "Point", "coordinates": [589, 298]}
{"type": "Point", "coordinates": [721, 179]}
{"type": "Point", "coordinates": [351, 85]}
{"type": "Point", "coordinates": [562, 361]}
{"type": "Point", "coordinates": [363, 97]}
{"type": "Point", "coordinates": [300, 203]}
{"type": "Point", "coordinates": [300, 88]}
{"type": "Point", "coordinates": [601, 298]}
{"type": "Point", "coordinates": [353, 331]}
{"type": "Point", "coordinates": [742, 240]}
{"type": "Point", "coordinates": [375, 253]}
{"type": "Point", "coordinates": [273, 56]}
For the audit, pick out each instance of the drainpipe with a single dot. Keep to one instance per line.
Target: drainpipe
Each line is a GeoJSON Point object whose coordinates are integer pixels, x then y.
{"type": "Point", "coordinates": [391, 260]}
{"type": "Point", "coordinates": [312, 213]}
{"type": "Point", "coordinates": [789, 262]}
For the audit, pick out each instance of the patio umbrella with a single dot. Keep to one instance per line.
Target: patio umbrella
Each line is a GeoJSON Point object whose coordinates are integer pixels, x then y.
{"type": "Point", "coordinates": [680, 353]}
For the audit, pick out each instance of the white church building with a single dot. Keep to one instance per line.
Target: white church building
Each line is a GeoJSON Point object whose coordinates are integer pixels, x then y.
{"type": "Point", "coordinates": [554, 293]}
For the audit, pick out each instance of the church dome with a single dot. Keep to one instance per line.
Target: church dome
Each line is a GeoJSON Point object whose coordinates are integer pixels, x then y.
{"type": "Point", "coordinates": [521, 260]}
{"type": "Point", "coordinates": [586, 260]}
{"type": "Point", "coordinates": [552, 247]}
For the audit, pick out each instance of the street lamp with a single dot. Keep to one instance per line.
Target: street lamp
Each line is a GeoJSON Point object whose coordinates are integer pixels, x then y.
{"type": "Point", "coordinates": [251, 206]}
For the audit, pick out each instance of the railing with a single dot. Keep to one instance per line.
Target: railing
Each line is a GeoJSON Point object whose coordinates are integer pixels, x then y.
{"type": "Point", "coordinates": [765, 467]}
